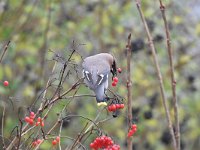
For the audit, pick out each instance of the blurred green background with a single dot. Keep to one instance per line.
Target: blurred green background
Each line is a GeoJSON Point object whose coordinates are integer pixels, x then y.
{"type": "Point", "coordinates": [36, 28]}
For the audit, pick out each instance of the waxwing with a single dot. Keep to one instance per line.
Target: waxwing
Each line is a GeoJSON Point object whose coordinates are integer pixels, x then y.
{"type": "Point", "coordinates": [96, 71]}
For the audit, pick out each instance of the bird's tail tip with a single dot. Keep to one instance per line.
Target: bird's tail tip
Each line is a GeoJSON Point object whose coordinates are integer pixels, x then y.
{"type": "Point", "coordinates": [102, 104]}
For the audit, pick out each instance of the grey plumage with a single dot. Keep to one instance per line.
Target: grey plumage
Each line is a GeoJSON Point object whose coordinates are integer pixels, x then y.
{"type": "Point", "coordinates": [96, 70]}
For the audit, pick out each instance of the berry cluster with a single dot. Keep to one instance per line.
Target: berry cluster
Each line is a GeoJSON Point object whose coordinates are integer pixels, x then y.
{"type": "Point", "coordinates": [56, 141]}
{"type": "Point", "coordinates": [36, 142]}
{"type": "Point", "coordinates": [39, 122]}
{"type": "Point", "coordinates": [132, 130]}
{"type": "Point", "coordinates": [105, 143]}
{"type": "Point", "coordinates": [115, 81]}
{"type": "Point", "coordinates": [114, 107]}
{"type": "Point", "coordinates": [30, 119]}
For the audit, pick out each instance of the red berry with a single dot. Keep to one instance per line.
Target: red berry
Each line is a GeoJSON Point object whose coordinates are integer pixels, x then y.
{"type": "Point", "coordinates": [34, 144]}
{"type": "Point", "coordinates": [118, 106]}
{"type": "Point", "coordinates": [31, 121]}
{"type": "Point", "coordinates": [108, 139]}
{"type": "Point", "coordinates": [32, 117]}
{"type": "Point", "coordinates": [121, 106]}
{"type": "Point", "coordinates": [39, 141]}
{"type": "Point", "coordinates": [37, 124]}
{"type": "Point", "coordinates": [119, 70]}
{"type": "Point", "coordinates": [109, 108]}
{"type": "Point", "coordinates": [114, 83]}
{"type": "Point", "coordinates": [54, 142]}
{"type": "Point", "coordinates": [134, 126]}
{"type": "Point", "coordinates": [42, 124]}
{"type": "Point", "coordinates": [5, 83]}
{"type": "Point", "coordinates": [115, 79]}
{"type": "Point", "coordinates": [27, 119]}
{"type": "Point", "coordinates": [96, 144]}
{"type": "Point", "coordinates": [58, 139]}
{"type": "Point", "coordinates": [130, 133]}
{"type": "Point", "coordinates": [92, 145]}
{"type": "Point", "coordinates": [32, 113]}
{"type": "Point", "coordinates": [113, 147]}
{"type": "Point", "coordinates": [39, 119]}
{"type": "Point", "coordinates": [134, 130]}
{"type": "Point", "coordinates": [112, 107]}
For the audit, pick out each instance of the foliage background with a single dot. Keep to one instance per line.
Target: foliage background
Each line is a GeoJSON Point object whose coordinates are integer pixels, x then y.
{"type": "Point", "coordinates": [35, 27]}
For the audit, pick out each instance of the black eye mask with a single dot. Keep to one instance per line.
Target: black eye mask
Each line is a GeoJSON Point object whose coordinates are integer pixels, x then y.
{"type": "Point", "coordinates": [114, 69]}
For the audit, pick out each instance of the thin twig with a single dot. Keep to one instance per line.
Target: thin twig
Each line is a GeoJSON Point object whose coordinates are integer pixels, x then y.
{"type": "Point", "coordinates": [155, 59]}
{"type": "Point", "coordinates": [61, 124]}
{"type": "Point", "coordinates": [45, 38]}
{"type": "Point", "coordinates": [129, 86]}
{"type": "Point", "coordinates": [4, 51]}
{"type": "Point", "coordinates": [74, 140]}
{"type": "Point", "coordinates": [57, 91]}
{"type": "Point", "coordinates": [92, 124]}
{"type": "Point", "coordinates": [48, 82]}
{"type": "Point", "coordinates": [79, 137]}
{"type": "Point", "coordinates": [52, 128]}
{"type": "Point", "coordinates": [78, 96]}
{"type": "Point", "coordinates": [173, 80]}
{"type": "Point", "coordinates": [19, 134]}
{"type": "Point", "coordinates": [65, 93]}
{"type": "Point", "coordinates": [59, 121]}
{"type": "Point", "coordinates": [88, 135]}
{"type": "Point", "coordinates": [45, 91]}
{"type": "Point", "coordinates": [2, 126]}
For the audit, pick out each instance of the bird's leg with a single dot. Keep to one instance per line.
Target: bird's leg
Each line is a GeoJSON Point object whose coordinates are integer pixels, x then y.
{"type": "Point", "coordinates": [107, 97]}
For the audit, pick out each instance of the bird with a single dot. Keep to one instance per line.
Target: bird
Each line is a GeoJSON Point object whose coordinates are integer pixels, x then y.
{"type": "Point", "coordinates": [96, 71]}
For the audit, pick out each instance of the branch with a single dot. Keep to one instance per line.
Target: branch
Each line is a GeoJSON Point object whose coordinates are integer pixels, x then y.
{"type": "Point", "coordinates": [173, 80]}
{"type": "Point", "coordinates": [64, 93]}
{"type": "Point", "coordinates": [155, 59]}
{"type": "Point", "coordinates": [2, 126]}
{"type": "Point", "coordinates": [45, 38]}
{"type": "Point", "coordinates": [46, 106]}
{"type": "Point", "coordinates": [4, 51]}
{"type": "Point", "coordinates": [129, 89]}
{"type": "Point", "coordinates": [79, 137]}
